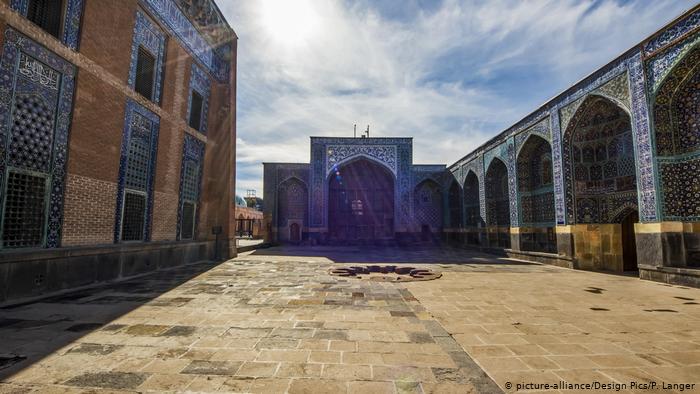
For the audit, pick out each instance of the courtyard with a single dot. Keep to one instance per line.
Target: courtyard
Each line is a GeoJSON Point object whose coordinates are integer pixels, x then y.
{"type": "Point", "coordinates": [275, 320]}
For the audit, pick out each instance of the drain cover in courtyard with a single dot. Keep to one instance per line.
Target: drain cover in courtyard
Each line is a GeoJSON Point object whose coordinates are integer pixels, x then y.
{"type": "Point", "coordinates": [385, 273]}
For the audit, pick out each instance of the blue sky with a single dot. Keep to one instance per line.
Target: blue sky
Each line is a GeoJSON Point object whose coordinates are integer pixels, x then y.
{"type": "Point", "coordinates": [449, 73]}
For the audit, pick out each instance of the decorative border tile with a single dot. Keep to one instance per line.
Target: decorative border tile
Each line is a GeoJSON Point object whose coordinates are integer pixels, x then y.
{"type": "Point", "coordinates": [71, 24]}
{"type": "Point", "coordinates": [149, 36]}
{"type": "Point", "coordinates": [16, 43]}
{"type": "Point", "coordinates": [131, 108]}
{"type": "Point", "coordinates": [192, 151]}
{"type": "Point", "coordinates": [170, 15]}
{"type": "Point", "coordinates": [686, 25]}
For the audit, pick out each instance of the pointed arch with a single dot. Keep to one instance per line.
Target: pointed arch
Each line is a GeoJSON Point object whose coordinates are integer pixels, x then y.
{"type": "Point", "coordinates": [497, 203]}
{"type": "Point", "coordinates": [472, 206]}
{"type": "Point", "coordinates": [292, 202]}
{"type": "Point", "coordinates": [361, 195]}
{"type": "Point", "coordinates": [454, 203]}
{"type": "Point", "coordinates": [676, 125]}
{"type": "Point", "coordinates": [427, 205]}
{"type": "Point", "coordinates": [536, 195]}
{"type": "Point", "coordinates": [599, 161]}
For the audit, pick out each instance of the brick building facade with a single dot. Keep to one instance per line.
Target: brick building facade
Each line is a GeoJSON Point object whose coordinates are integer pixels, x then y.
{"type": "Point", "coordinates": [117, 140]}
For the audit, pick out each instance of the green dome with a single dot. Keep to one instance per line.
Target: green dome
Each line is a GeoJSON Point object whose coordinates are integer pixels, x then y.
{"type": "Point", "coordinates": [240, 201]}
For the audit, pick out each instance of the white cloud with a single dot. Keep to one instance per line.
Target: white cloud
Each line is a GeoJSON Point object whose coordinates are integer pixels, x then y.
{"type": "Point", "coordinates": [451, 77]}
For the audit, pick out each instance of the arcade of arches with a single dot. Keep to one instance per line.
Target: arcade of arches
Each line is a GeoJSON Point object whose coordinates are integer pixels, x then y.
{"type": "Point", "coordinates": [605, 176]}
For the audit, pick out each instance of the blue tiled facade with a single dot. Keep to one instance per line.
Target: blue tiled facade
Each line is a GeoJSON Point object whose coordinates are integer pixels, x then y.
{"type": "Point", "coordinates": [30, 70]}
{"type": "Point", "coordinates": [139, 122]}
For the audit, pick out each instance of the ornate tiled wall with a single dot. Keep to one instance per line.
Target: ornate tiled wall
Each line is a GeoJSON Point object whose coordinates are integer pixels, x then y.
{"type": "Point", "coordinates": [427, 206]}
{"type": "Point", "coordinates": [139, 122]}
{"type": "Point", "coordinates": [170, 15]}
{"type": "Point", "coordinates": [472, 207]}
{"type": "Point", "coordinates": [71, 20]}
{"type": "Point", "coordinates": [35, 82]}
{"type": "Point", "coordinates": [396, 154]}
{"type": "Point", "coordinates": [199, 82]}
{"type": "Point", "coordinates": [293, 202]}
{"type": "Point", "coordinates": [190, 186]}
{"type": "Point", "coordinates": [676, 116]}
{"type": "Point", "coordinates": [535, 186]}
{"type": "Point", "coordinates": [497, 194]}
{"type": "Point", "coordinates": [149, 36]}
{"type": "Point", "coordinates": [599, 151]}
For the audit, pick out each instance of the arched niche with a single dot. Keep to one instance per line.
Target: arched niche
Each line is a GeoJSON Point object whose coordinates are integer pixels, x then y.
{"type": "Point", "coordinates": [497, 204]}
{"type": "Point", "coordinates": [536, 194]}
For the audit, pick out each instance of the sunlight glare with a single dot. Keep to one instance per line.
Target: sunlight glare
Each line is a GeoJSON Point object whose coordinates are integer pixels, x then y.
{"type": "Point", "coordinates": [289, 22]}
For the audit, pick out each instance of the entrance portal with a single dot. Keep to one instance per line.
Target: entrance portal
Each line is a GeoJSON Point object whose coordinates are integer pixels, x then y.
{"type": "Point", "coordinates": [361, 202]}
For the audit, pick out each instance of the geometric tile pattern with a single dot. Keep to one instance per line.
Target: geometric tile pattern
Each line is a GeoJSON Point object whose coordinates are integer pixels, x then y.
{"type": "Point", "coordinates": [190, 179]}
{"type": "Point", "coordinates": [139, 124]}
{"type": "Point", "coordinates": [428, 204]}
{"type": "Point", "coordinates": [598, 145]}
{"type": "Point", "coordinates": [37, 86]}
{"type": "Point", "coordinates": [677, 131]}
{"type": "Point", "coordinates": [535, 187]}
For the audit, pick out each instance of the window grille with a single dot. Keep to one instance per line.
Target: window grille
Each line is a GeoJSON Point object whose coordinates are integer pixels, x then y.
{"type": "Point", "coordinates": [188, 219]}
{"type": "Point", "coordinates": [25, 210]}
{"type": "Point", "coordinates": [47, 14]}
{"type": "Point", "coordinates": [145, 73]}
{"type": "Point", "coordinates": [196, 111]}
{"type": "Point", "coordinates": [190, 196]}
{"type": "Point", "coordinates": [190, 182]}
{"type": "Point", "coordinates": [134, 216]}
{"type": "Point", "coordinates": [137, 165]}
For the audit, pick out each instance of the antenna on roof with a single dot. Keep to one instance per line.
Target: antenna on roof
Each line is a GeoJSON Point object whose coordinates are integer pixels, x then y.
{"type": "Point", "coordinates": [367, 131]}
{"type": "Point", "coordinates": [354, 130]}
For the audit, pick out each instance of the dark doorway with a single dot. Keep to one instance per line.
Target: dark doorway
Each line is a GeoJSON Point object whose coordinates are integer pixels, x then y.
{"type": "Point", "coordinates": [629, 243]}
{"type": "Point", "coordinates": [425, 233]}
{"type": "Point", "coordinates": [361, 202]}
{"type": "Point", "coordinates": [294, 233]}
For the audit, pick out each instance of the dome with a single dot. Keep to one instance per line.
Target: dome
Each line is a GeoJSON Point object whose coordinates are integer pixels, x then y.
{"type": "Point", "coordinates": [240, 201]}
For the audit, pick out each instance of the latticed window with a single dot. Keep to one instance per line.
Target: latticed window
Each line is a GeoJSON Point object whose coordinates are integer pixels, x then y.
{"type": "Point", "coordinates": [25, 210]}
{"type": "Point", "coordinates": [47, 14]}
{"type": "Point", "coordinates": [190, 197]}
{"type": "Point", "coordinates": [136, 180]}
{"type": "Point", "coordinates": [196, 111]}
{"type": "Point", "coordinates": [145, 73]}
{"type": "Point", "coordinates": [133, 216]}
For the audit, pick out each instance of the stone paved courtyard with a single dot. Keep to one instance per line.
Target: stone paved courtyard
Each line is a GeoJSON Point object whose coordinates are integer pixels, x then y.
{"type": "Point", "coordinates": [274, 320]}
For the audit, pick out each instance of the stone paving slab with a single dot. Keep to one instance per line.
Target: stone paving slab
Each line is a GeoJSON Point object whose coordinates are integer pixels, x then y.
{"type": "Point", "coordinates": [253, 324]}
{"type": "Point", "coordinates": [275, 321]}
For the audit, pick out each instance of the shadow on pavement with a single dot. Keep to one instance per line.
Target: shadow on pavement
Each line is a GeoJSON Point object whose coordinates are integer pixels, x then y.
{"type": "Point", "coordinates": [32, 331]}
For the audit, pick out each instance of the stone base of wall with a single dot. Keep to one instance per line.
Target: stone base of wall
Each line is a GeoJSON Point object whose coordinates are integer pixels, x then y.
{"type": "Point", "coordinates": [598, 247]}
{"type": "Point", "coordinates": [544, 258]}
{"type": "Point", "coordinates": [32, 274]}
{"type": "Point", "coordinates": [672, 275]}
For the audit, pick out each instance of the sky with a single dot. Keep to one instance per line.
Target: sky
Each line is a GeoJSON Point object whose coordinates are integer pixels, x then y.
{"type": "Point", "coordinates": [449, 73]}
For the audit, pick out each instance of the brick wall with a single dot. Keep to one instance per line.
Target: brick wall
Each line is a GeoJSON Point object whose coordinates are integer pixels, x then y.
{"type": "Point", "coordinates": [165, 216]}
{"type": "Point", "coordinates": [89, 208]}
